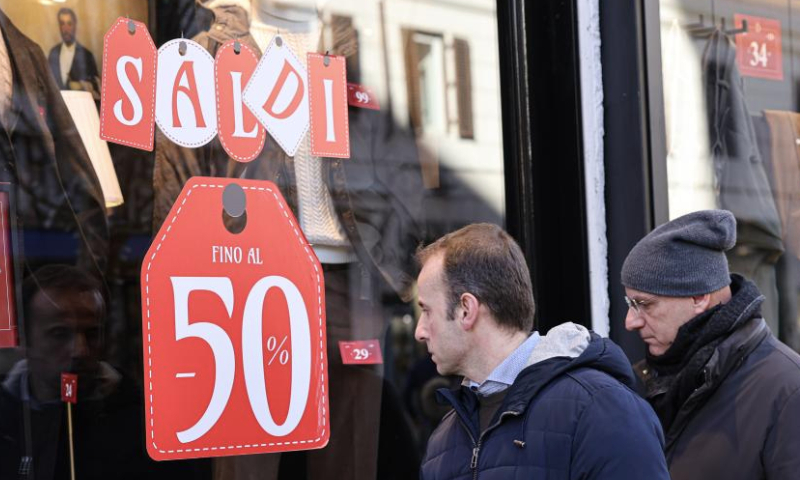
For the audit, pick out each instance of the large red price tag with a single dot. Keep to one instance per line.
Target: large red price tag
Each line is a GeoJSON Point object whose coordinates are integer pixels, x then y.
{"type": "Point", "coordinates": [235, 358]}
{"type": "Point", "coordinates": [758, 50]}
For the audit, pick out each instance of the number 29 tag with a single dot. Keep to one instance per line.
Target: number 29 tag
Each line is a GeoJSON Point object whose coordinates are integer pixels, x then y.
{"type": "Point", "coordinates": [361, 352]}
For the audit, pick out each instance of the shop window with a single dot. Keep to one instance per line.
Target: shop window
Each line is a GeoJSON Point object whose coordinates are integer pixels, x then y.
{"type": "Point", "coordinates": [77, 216]}
{"type": "Point", "coordinates": [730, 84]}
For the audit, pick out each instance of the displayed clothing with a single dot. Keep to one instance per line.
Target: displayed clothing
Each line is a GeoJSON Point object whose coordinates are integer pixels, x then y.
{"type": "Point", "coordinates": [733, 400]}
{"type": "Point", "coordinates": [564, 417]}
{"type": "Point", "coordinates": [376, 193]}
{"type": "Point", "coordinates": [73, 64]}
{"type": "Point", "coordinates": [59, 203]}
{"type": "Point", "coordinates": [363, 217]}
{"type": "Point", "coordinates": [741, 179]}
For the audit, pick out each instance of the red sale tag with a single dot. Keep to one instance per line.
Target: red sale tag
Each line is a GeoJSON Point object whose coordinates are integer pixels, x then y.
{"type": "Point", "coordinates": [361, 352]}
{"type": "Point", "coordinates": [69, 387]}
{"type": "Point", "coordinates": [758, 50]}
{"type": "Point", "coordinates": [8, 314]}
{"type": "Point", "coordinates": [240, 133]}
{"type": "Point", "coordinates": [362, 97]}
{"type": "Point", "coordinates": [234, 342]}
{"type": "Point", "coordinates": [128, 92]}
{"type": "Point", "coordinates": [327, 103]}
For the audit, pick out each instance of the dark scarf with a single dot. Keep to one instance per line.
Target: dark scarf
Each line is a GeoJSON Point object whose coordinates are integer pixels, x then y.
{"type": "Point", "coordinates": [679, 371]}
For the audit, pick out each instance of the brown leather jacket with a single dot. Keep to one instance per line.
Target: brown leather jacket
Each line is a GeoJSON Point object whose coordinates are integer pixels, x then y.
{"type": "Point", "coordinates": [377, 192]}
{"type": "Point", "coordinates": [60, 210]}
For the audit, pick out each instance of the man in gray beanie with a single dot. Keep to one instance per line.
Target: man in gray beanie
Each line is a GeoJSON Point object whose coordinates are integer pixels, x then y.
{"type": "Point", "coordinates": [726, 390]}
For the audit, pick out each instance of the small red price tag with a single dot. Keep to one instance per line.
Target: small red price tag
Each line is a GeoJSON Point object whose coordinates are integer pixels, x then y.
{"type": "Point", "coordinates": [69, 387]}
{"type": "Point", "coordinates": [758, 50]}
{"type": "Point", "coordinates": [361, 352]}
{"type": "Point", "coordinates": [362, 97]}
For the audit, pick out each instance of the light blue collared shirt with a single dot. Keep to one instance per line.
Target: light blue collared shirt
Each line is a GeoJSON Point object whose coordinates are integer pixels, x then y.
{"type": "Point", "coordinates": [503, 375]}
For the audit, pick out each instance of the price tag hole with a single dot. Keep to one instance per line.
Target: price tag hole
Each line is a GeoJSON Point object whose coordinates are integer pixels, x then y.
{"type": "Point", "coordinates": [234, 225]}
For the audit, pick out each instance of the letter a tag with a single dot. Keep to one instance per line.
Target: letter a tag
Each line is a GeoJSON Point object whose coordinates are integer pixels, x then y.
{"type": "Point", "coordinates": [240, 133]}
{"type": "Point", "coordinates": [186, 107]}
{"type": "Point", "coordinates": [233, 328]}
{"type": "Point", "coordinates": [128, 93]}
{"type": "Point", "coordinates": [327, 102]}
{"type": "Point", "coordinates": [277, 95]}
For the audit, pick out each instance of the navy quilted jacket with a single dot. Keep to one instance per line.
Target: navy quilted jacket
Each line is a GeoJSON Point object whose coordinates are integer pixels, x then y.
{"type": "Point", "coordinates": [564, 418]}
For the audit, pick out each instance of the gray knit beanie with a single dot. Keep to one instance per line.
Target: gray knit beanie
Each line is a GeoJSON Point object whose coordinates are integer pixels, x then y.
{"type": "Point", "coordinates": [683, 257]}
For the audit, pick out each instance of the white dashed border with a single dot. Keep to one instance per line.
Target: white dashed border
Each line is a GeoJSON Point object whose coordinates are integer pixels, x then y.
{"type": "Point", "coordinates": [149, 367]}
{"type": "Point", "coordinates": [140, 27]}
{"type": "Point", "coordinates": [261, 131]}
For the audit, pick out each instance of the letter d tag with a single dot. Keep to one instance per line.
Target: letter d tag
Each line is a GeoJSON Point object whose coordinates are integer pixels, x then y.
{"type": "Point", "coordinates": [128, 94]}
{"type": "Point", "coordinates": [278, 96]}
{"type": "Point", "coordinates": [327, 101]}
{"type": "Point", "coordinates": [241, 135]}
{"type": "Point", "coordinates": [233, 327]}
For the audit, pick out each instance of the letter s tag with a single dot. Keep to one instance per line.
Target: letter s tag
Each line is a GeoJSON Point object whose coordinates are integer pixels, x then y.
{"type": "Point", "coordinates": [128, 93]}
{"type": "Point", "coordinates": [240, 133]}
{"type": "Point", "coordinates": [186, 109]}
{"type": "Point", "coordinates": [277, 94]}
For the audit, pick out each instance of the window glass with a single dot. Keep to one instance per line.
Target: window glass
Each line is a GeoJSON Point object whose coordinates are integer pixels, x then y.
{"type": "Point", "coordinates": [731, 111]}
{"type": "Point", "coordinates": [77, 216]}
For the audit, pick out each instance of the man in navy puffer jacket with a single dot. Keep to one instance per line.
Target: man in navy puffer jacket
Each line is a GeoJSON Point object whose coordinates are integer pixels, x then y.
{"type": "Point", "coordinates": [558, 406]}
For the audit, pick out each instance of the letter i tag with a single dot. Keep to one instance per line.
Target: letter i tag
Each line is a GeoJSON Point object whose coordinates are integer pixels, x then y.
{"type": "Point", "coordinates": [327, 104]}
{"type": "Point", "coordinates": [240, 133]}
{"type": "Point", "coordinates": [278, 97]}
{"type": "Point", "coordinates": [128, 93]}
{"type": "Point", "coordinates": [186, 109]}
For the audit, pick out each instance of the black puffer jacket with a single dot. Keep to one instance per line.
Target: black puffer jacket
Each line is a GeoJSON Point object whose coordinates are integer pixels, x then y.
{"type": "Point", "coordinates": [743, 420]}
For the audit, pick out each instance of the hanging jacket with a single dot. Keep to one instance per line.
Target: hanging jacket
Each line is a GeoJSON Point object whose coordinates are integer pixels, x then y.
{"type": "Point", "coordinates": [743, 420]}
{"type": "Point", "coordinates": [563, 418]}
{"type": "Point", "coordinates": [59, 205]}
{"type": "Point", "coordinates": [377, 193]}
{"type": "Point", "coordinates": [741, 179]}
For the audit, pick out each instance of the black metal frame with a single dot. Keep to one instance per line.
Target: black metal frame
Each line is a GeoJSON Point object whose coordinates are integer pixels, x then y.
{"type": "Point", "coordinates": [543, 145]}
{"type": "Point", "coordinates": [635, 143]}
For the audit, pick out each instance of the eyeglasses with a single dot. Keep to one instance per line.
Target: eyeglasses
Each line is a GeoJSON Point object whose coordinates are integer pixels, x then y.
{"type": "Point", "coordinates": [637, 305]}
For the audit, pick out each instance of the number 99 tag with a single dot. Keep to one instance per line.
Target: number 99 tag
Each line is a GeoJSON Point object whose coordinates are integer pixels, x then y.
{"type": "Point", "coordinates": [362, 97]}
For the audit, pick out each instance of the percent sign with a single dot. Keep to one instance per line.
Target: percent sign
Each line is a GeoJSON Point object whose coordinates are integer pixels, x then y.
{"type": "Point", "coordinates": [277, 350]}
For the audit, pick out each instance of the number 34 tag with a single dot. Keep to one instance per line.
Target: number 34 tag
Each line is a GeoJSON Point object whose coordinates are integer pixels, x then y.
{"type": "Point", "coordinates": [361, 352]}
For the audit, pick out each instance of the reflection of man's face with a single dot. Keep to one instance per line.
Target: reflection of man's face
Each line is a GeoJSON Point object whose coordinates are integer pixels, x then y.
{"type": "Point", "coordinates": [66, 24]}
{"type": "Point", "coordinates": [64, 336]}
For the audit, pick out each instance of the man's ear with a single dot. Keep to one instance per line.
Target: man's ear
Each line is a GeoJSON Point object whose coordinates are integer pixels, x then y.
{"type": "Point", "coordinates": [701, 303]}
{"type": "Point", "coordinates": [467, 314]}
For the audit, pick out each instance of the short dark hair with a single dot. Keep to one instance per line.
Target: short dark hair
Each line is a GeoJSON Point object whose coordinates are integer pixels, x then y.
{"type": "Point", "coordinates": [482, 259]}
{"type": "Point", "coordinates": [61, 278]}
{"type": "Point", "coordinates": [67, 11]}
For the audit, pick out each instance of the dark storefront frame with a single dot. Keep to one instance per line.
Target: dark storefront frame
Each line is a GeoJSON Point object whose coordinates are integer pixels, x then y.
{"type": "Point", "coordinates": [635, 143]}
{"type": "Point", "coordinates": [543, 145]}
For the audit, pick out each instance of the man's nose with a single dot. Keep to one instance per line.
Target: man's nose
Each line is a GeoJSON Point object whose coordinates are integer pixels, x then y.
{"type": "Point", "coordinates": [420, 333]}
{"type": "Point", "coordinates": [633, 321]}
{"type": "Point", "coordinates": [80, 345]}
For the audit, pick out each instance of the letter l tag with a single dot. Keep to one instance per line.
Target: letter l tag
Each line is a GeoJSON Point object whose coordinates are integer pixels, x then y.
{"type": "Point", "coordinates": [240, 133]}
{"type": "Point", "coordinates": [128, 93]}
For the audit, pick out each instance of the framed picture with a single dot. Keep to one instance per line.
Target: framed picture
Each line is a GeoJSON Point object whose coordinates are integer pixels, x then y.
{"type": "Point", "coordinates": [71, 32]}
{"type": "Point", "coordinates": [10, 314]}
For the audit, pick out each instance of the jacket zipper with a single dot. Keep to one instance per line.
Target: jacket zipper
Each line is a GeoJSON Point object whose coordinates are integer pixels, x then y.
{"type": "Point", "coordinates": [476, 446]}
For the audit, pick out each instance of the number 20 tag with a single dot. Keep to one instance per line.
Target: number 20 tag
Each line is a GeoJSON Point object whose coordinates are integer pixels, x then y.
{"type": "Point", "coordinates": [235, 358]}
